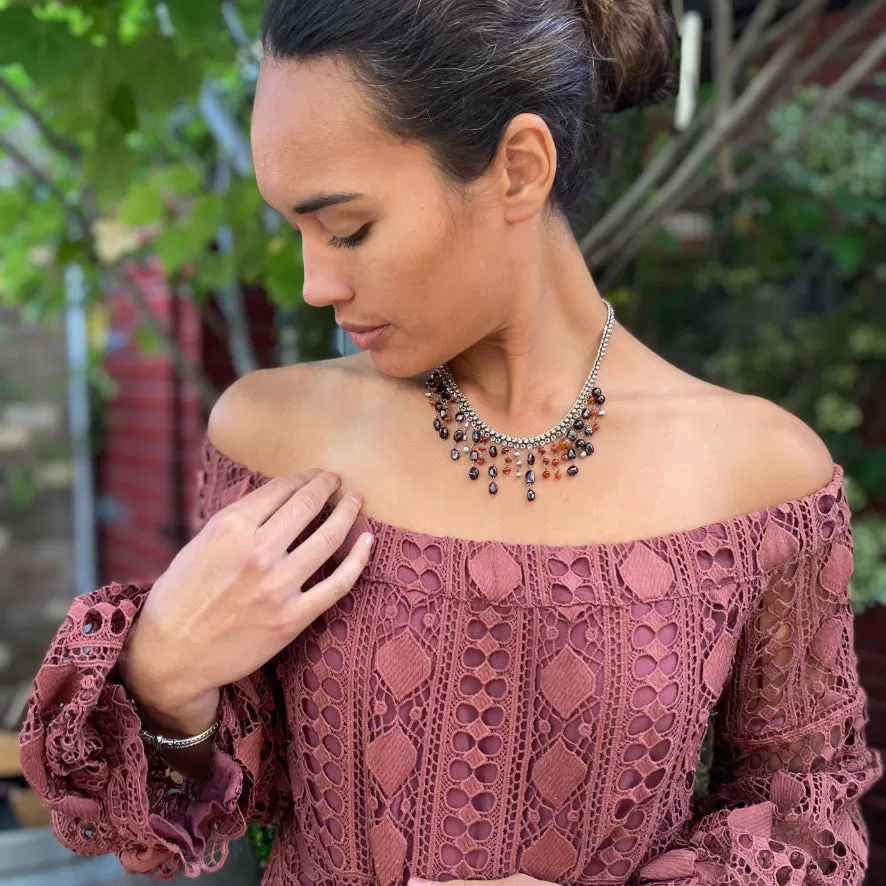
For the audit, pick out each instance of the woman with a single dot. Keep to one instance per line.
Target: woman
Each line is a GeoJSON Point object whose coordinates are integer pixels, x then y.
{"type": "Point", "coordinates": [518, 685]}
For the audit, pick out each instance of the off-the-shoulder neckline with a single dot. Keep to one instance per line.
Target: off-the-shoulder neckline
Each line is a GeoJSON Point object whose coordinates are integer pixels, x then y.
{"type": "Point", "coordinates": [392, 531]}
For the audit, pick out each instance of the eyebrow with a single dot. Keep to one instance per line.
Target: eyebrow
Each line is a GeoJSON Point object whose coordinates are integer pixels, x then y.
{"type": "Point", "coordinates": [321, 201]}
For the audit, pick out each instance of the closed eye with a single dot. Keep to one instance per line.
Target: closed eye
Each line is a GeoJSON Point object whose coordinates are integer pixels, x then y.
{"type": "Point", "coordinates": [353, 240]}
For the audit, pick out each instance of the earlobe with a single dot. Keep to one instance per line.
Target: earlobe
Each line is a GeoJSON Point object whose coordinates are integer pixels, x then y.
{"type": "Point", "coordinates": [530, 163]}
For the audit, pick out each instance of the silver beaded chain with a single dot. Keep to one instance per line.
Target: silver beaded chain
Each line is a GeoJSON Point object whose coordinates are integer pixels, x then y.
{"type": "Point", "coordinates": [474, 420]}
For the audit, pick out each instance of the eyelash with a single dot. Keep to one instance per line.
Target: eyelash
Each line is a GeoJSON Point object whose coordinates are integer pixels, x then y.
{"type": "Point", "coordinates": [352, 241]}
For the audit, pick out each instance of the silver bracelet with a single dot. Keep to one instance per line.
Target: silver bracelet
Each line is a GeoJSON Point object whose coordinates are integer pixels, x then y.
{"type": "Point", "coordinates": [162, 743]}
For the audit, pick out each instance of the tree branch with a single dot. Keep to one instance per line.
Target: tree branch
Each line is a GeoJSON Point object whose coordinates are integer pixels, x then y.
{"type": "Point", "coordinates": [836, 94]}
{"type": "Point", "coordinates": [116, 271]}
{"type": "Point", "coordinates": [632, 237]}
{"type": "Point", "coordinates": [36, 172]}
{"type": "Point", "coordinates": [852, 24]}
{"type": "Point", "coordinates": [596, 240]}
{"type": "Point", "coordinates": [723, 26]}
{"type": "Point", "coordinates": [56, 141]}
{"type": "Point", "coordinates": [747, 44]}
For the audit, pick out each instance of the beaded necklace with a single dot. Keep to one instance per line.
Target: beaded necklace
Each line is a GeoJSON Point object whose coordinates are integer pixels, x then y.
{"type": "Point", "coordinates": [556, 450]}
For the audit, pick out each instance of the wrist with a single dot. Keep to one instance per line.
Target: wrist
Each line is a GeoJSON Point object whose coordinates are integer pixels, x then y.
{"type": "Point", "coordinates": [165, 704]}
{"type": "Point", "coordinates": [179, 720]}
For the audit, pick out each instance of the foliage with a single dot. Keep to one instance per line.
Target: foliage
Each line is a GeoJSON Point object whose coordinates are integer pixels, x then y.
{"type": "Point", "coordinates": [127, 140]}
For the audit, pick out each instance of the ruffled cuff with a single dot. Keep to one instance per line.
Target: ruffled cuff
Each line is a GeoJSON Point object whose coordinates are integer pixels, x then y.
{"type": "Point", "coordinates": [81, 752]}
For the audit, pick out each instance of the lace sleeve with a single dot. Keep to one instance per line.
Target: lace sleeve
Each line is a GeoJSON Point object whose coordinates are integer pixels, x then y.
{"type": "Point", "coordinates": [791, 760]}
{"type": "Point", "coordinates": [107, 791]}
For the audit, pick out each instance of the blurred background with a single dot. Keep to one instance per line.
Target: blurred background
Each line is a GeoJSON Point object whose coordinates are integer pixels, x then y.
{"type": "Point", "coordinates": [739, 231]}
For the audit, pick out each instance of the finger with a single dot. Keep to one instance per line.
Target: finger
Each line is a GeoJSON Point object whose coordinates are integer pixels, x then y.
{"type": "Point", "coordinates": [339, 584]}
{"type": "Point", "coordinates": [261, 503]}
{"type": "Point", "coordinates": [277, 533]}
{"type": "Point", "coordinates": [326, 540]}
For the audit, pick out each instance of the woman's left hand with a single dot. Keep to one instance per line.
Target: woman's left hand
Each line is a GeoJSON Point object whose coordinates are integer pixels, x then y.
{"type": "Point", "coordinates": [514, 880]}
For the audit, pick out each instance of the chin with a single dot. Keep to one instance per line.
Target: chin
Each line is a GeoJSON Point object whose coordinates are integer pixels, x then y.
{"type": "Point", "coordinates": [398, 363]}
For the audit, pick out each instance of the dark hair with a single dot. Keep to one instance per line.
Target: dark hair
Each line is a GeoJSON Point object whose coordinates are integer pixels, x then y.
{"type": "Point", "coordinates": [454, 73]}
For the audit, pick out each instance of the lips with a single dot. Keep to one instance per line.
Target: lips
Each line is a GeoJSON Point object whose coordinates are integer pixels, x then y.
{"type": "Point", "coordinates": [367, 339]}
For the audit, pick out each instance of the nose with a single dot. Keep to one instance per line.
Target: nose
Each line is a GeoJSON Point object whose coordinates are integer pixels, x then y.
{"type": "Point", "coordinates": [323, 284]}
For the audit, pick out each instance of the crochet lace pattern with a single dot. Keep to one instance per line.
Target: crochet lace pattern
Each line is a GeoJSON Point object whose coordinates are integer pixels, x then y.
{"type": "Point", "coordinates": [475, 709]}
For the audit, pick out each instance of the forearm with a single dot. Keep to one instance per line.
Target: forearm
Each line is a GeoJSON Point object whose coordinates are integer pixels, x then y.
{"type": "Point", "coordinates": [169, 710]}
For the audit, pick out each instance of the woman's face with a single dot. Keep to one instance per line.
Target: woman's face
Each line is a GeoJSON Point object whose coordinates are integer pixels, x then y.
{"type": "Point", "coordinates": [432, 263]}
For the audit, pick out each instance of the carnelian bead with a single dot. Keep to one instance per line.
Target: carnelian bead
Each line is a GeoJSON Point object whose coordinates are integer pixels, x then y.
{"type": "Point", "coordinates": [509, 460]}
{"type": "Point", "coordinates": [558, 476]}
{"type": "Point", "coordinates": [596, 428]}
{"type": "Point", "coordinates": [546, 461]}
{"type": "Point", "coordinates": [541, 451]}
{"type": "Point", "coordinates": [556, 462]}
{"type": "Point", "coordinates": [481, 461]}
{"type": "Point", "coordinates": [506, 471]}
{"type": "Point", "coordinates": [546, 475]}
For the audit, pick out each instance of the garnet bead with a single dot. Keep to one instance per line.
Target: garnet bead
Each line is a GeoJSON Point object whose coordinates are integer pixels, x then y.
{"type": "Point", "coordinates": [474, 473]}
{"type": "Point", "coordinates": [476, 436]}
{"type": "Point", "coordinates": [493, 471]}
{"type": "Point", "coordinates": [578, 424]}
{"type": "Point", "coordinates": [493, 488]}
{"type": "Point", "coordinates": [444, 433]}
{"type": "Point", "coordinates": [586, 413]}
{"type": "Point", "coordinates": [570, 454]}
{"type": "Point", "coordinates": [572, 470]}
{"type": "Point", "coordinates": [455, 454]}
{"type": "Point", "coordinates": [601, 399]}
{"type": "Point", "coordinates": [493, 451]}
{"type": "Point", "coordinates": [530, 458]}
{"type": "Point", "coordinates": [437, 424]}
{"type": "Point", "coordinates": [530, 477]}
{"type": "Point", "coordinates": [474, 455]}
{"type": "Point", "coordinates": [458, 436]}
{"type": "Point", "coordinates": [530, 494]}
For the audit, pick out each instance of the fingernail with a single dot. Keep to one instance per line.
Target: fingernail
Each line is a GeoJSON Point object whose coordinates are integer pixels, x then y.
{"type": "Point", "coordinates": [356, 497]}
{"type": "Point", "coordinates": [368, 540]}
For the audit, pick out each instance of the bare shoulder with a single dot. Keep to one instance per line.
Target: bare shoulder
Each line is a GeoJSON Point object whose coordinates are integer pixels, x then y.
{"type": "Point", "coordinates": [778, 456]}
{"type": "Point", "coordinates": [267, 419]}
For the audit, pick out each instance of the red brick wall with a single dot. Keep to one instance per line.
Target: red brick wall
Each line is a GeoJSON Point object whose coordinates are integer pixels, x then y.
{"type": "Point", "coordinates": [146, 474]}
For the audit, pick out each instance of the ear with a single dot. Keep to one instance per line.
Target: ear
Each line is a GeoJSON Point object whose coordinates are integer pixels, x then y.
{"type": "Point", "coordinates": [528, 160]}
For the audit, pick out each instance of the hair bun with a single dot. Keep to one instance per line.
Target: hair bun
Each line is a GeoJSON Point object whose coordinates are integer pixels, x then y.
{"type": "Point", "coordinates": [635, 40]}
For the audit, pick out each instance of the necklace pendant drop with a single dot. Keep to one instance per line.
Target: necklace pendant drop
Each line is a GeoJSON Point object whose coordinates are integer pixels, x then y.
{"type": "Point", "coordinates": [528, 460]}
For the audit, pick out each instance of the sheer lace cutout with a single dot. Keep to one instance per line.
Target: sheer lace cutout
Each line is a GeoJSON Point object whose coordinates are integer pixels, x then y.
{"type": "Point", "coordinates": [476, 709]}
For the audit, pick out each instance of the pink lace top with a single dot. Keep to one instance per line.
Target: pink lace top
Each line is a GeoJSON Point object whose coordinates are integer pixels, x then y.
{"type": "Point", "coordinates": [479, 709]}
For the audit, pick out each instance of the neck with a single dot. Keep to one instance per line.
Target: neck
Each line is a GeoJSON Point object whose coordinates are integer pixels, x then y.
{"type": "Point", "coordinates": [523, 378]}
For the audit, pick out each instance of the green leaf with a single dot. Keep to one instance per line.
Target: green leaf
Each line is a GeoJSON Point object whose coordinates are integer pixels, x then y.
{"type": "Point", "coordinates": [143, 204]}
{"type": "Point", "coordinates": [848, 250]}
{"type": "Point", "coordinates": [45, 49]}
{"type": "Point", "coordinates": [123, 108]}
{"type": "Point", "coordinates": [148, 341]}
{"type": "Point", "coordinates": [285, 271]}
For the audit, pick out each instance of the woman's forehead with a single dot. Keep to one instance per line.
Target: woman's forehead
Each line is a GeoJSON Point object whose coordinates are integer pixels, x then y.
{"type": "Point", "coordinates": [311, 116]}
